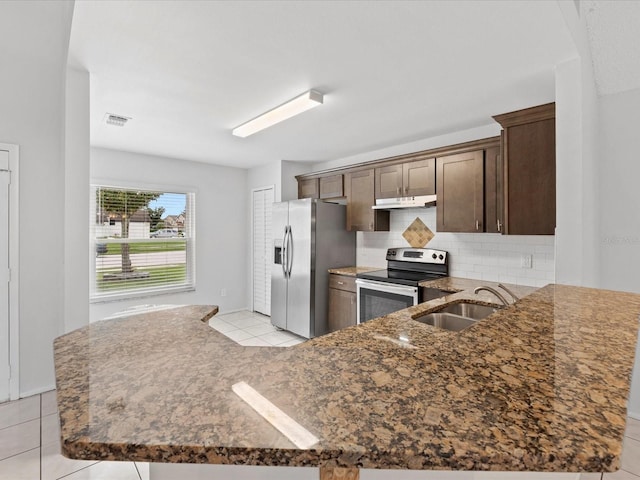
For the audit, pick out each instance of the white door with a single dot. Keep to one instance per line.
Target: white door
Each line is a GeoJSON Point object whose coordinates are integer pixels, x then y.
{"type": "Point", "coordinates": [4, 276]}
{"type": "Point", "coordinates": [262, 246]}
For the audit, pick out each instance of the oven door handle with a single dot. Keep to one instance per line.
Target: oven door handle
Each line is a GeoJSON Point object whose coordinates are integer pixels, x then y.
{"type": "Point", "coordinates": [386, 287]}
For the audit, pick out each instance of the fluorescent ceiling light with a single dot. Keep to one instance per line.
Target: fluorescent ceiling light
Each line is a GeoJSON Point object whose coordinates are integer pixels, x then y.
{"type": "Point", "coordinates": [296, 433]}
{"type": "Point", "coordinates": [300, 104]}
{"type": "Point", "coordinates": [117, 120]}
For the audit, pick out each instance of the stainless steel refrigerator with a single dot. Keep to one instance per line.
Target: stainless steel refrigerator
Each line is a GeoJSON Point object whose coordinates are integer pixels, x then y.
{"type": "Point", "coordinates": [310, 237]}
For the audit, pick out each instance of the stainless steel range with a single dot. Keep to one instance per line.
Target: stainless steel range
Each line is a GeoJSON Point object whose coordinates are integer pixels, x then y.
{"type": "Point", "coordinates": [386, 291]}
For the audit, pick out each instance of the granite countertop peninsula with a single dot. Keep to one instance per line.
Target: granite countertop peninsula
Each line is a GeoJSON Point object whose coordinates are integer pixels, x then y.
{"type": "Point", "coordinates": [457, 284]}
{"type": "Point", "coordinates": [353, 271]}
{"type": "Point", "coordinates": [540, 385]}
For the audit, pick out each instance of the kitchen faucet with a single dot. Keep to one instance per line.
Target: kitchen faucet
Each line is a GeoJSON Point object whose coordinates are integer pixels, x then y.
{"type": "Point", "coordinates": [495, 292]}
{"type": "Point", "coordinates": [513, 295]}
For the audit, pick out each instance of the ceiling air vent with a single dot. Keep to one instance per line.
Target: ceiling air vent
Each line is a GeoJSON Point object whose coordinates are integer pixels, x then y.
{"type": "Point", "coordinates": [117, 120]}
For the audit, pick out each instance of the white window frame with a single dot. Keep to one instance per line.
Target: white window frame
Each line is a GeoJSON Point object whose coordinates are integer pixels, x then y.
{"type": "Point", "coordinates": [190, 237]}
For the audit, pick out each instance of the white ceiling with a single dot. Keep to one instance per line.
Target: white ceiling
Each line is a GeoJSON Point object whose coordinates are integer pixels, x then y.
{"type": "Point", "coordinates": [613, 28]}
{"type": "Point", "coordinates": [392, 72]}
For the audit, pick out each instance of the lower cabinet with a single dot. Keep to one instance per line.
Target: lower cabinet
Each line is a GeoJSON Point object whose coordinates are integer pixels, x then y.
{"type": "Point", "coordinates": [342, 302]}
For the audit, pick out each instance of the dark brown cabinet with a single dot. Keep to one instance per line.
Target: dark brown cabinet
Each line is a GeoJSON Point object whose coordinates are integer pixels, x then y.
{"type": "Point", "coordinates": [406, 179]}
{"type": "Point", "coordinates": [493, 219]}
{"type": "Point", "coordinates": [331, 186]}
{"type": "Point", "coordinates": [342, 302]}
{"type": "Point", "coordinates": [359, 190]}
{"type": "Point", "coordinates": [529, 170]}
{"type": "Point", "coordinates": [460, 192]}
{"type": "Point", "coordinates": [308, 188]}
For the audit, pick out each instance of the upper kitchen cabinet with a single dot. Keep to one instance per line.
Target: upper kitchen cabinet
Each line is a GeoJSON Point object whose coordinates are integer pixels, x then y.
{"type": "Point", "coordinates": [493, 217]}
{"type": "Point", "coordinates": [407, 179]}
{"type": "Point", "coordinates": [529, 170]}
{"type": "Point", "coordinates": [331, 186]}
{"type": "Point", "coordinates": [460, 192]}
{"type": "Point", "coordinates": [308, 188]}
{"type": "Point", "coordinates": [359, 190]}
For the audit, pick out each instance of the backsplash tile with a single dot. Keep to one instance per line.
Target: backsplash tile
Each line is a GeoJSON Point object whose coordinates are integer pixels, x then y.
{"type": "Point", "coordinates": [482, 256]}
{"type": "Point", "coordinates": [418, 234]}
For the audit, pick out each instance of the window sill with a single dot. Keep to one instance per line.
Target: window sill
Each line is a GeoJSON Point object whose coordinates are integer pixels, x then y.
{"type": "Point", "coordinates": [116, 297]}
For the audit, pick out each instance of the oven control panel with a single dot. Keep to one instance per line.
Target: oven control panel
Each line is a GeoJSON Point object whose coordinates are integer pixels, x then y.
{"type": "Point", "coordinates": [418, 255]}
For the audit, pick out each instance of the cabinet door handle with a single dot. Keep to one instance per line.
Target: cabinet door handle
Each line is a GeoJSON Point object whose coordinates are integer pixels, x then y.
{"type": "Point", "coordinates": [398, 191]}
{"type": "Point", "coordinates": [477, 225]}
{"type": "Point", "coordinates": [406, 190]}
{"type": "Point", "coordinates": [499, 225]}
{"type": "Point", "coordinates": [340, 283]}
{"type": "Point", "coordinates": [371, 225]}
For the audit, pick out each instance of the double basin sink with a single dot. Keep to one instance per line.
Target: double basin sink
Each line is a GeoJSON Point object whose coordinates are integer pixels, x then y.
{"type": "Point", "coordinates": [457, 316]}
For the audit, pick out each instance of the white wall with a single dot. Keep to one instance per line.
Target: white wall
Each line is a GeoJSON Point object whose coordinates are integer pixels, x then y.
{"type": "Point", "coordinates": [34, 38]}
{"type": "Point", "coordinates": [490, 130]}
{"type": "Point", "coordinates": [619, 213]}
{"type": "Point", "coordinates": [484, 256]}
{"type": "Point", "coordinates": [289, 170]}
{"type": "Point", "coordinates": [577, 133]}
{"type": "Point", "coordinates": [221, 226]}
{"type": "Point", "coordinates": [619, 209]}
{"type": "Point", "coordinates": [76, 192]}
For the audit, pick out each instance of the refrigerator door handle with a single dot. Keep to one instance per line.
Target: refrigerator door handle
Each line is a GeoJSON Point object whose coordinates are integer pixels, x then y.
{"type": "Point", "coordinates": [283, 252]}
{"type": "Point", "coordinates": [289, 253]}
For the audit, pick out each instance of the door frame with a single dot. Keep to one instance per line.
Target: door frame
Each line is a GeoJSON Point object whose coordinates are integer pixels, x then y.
{"type": "Point", "coordinates": [253, 192]}
{"type": "Point", "coordinates": [14, 266]}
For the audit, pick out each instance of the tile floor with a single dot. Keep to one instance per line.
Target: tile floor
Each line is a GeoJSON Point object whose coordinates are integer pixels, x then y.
{"type": "Point", "coordinates": [253, 330]}
{"type": "Point", "coordinates": [30, 447]}
{"type": "Point", "coordinates": [29, 431]}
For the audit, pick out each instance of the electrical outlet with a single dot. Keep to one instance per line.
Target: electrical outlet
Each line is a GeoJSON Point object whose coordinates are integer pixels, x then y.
{"type": "Point", "coordinates": [223, 292]}
{"type": "Point", "coordinates": [526, 260]}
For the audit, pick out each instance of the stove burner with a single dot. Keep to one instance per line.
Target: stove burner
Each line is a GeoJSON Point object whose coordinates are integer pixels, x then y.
{"type": "Point", "coordinates": [410, 266]}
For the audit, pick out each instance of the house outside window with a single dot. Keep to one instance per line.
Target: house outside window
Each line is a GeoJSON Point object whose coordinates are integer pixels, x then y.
{"type": "Point", "coordinates": [143, 242]}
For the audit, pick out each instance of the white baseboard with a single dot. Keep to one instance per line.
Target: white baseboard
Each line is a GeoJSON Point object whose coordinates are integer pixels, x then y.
{"type": "Point", "coordinates": [244, 309]}
{"type": "Point", "coordinates": [634, 415]}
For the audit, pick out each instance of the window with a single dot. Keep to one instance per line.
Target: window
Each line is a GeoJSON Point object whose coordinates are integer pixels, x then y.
{"type": "Point", "coordinates": [143, 242]}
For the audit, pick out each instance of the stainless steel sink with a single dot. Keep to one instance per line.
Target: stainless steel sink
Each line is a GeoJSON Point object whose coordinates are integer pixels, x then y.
{"type": "Point", "coordinates": [456, 316]}
{"type": "Point", "coordinates": [447, 321]}
{"type": "Point", "coordinates": [469, 310]}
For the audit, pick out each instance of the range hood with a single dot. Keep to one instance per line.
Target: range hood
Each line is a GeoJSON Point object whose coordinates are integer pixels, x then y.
{"type": "Point", "coordinates": [421, 201]}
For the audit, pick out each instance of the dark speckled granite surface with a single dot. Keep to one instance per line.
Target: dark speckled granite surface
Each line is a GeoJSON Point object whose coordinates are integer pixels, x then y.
{"type": "Point", "coordinates": [538, 386]}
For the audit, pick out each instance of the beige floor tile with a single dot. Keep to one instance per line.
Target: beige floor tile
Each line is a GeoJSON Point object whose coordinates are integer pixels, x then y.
{"type": "Point", "coordinates": [633, 428]}
{"type": "Point", "coordinates": [246, 322]}
{"type": "Point", "coordinates": [291, 343]}
{"type": "Point", "coordinates": [231, 317]}
{"type": "Point", "coordinates": [50, 429]}
{"type": "Point", "coordinates": [238, 335]}
{"type": "Point", "coordinates": [260, 329]}
{"type": "Point", "coordinates": [54, 465]}
{"type": "Point", "coordinates": [278, 338]}
{"type": "Point", "coordinates": [19, 411]}
{"type": "Point", "coordinates": [25, 466]}
{"type": "Point", "coordinates": [107, 471]}
{"type": "Point", "coordinates": [254, 342]}
{"type": "Point", "coordinates": [221, 326]}
{"type": "Point", "coordinates": [261, 317]}
{"type": "Point", "coordinates": [19, 438]}
{"type": "Point", "coordinates": [631, 456]}
{"type": "Point", "coordinates": [49, 404]}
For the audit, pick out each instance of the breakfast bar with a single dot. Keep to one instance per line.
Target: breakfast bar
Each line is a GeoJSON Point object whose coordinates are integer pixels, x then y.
{"type": "Point", "coordinates": [538, 386]}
